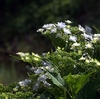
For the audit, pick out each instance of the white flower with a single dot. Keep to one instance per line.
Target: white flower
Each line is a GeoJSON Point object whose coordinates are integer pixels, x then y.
{"type": "Point", "coordinates": [36, 59]}
{"type": "Point", "coordinates": [73, 38]}
{"type": "Point", "coordinates": [75, 45]}
{"type": "Point", "coordinates": [89, 45]}
{"type": "Point", "coordinates": [27, 58]}
{"type": "Point", "coordinates": [88, 30]}
{"type": "Point", "coordinates": [87, 60]}
{"type": "Point", "coordinates": [38, 71]}
{"type": "Point", "coordinates": [40, 30]}
{"type": "Point", "coordinates": [45, 63]}
{"type": "Point", "coordinates": [82, 58]}
{"type": "Point", "coordinates": [87, 37]}
{"type": "Point", "coordinates": [96, 37]}
{"type": "Point", "coordinates": [81, 28]}
{"type": "Point", "coordinates": [85, 56]}
{"type": "Point", "coordinates": [42, 78]}
{"type": "Point", "coordinates": [36, 86]}
{"type": "Point", "coordinates": [46, 83]}
{"type": "Point", "coordinates": [21, 53]}
{"type": "Point", "coordinates": [61, 25]}
{"type": "Point", "coordinates": [49, 26]}
{"type": "Point", "coordinates": [54, 30]}
{"type": "Point", "coordinates": [36, 55]}
{"type": "Point", "coordinates": [66, 31]}
{"type": "Point", "coordinates": [75, 66]}
{"type": "Point", "coordinates": [68, 21]}
{"type": "Point", "coordinates": [58, 35]}
{"type": "Point", "coordinates": [66, 41]}
{"type": "Point", "coordinates": [24, 82]}
{"type": "Point", "coordinates": [16, 88]}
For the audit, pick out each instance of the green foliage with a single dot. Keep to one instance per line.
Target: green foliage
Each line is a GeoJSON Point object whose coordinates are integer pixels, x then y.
{"type": "Point", "coordinates": [71, 67]}
{"type": "Point", "coordinates": [68, 72]}
{"type": "Point", "coordinates": [76, 82]}
{"type": "Point", "coordinates": [90, 89]}
{"type": "Point", "coordinates": [8, 92]}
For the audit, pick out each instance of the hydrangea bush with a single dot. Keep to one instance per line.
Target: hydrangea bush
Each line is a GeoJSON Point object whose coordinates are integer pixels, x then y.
{"type": "Point", "coordinates": [70, 71]}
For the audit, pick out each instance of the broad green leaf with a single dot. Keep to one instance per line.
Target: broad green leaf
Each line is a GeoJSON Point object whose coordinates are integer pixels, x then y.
{"type": "Point", "coordinates": [89, 90]}
{"type": "Point", "coordinates": [57, 79]}
{"type": "Point", "coordinates": [77, 81]}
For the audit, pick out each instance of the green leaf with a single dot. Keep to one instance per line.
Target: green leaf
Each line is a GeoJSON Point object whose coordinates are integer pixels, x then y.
{"type": "Point", "coordinates": [56, 91]}
{"type": "Point", "coordinates": [96, 29]}
{"type": "Point", "coordinates": [47, 95]}
{"type": "Point", "coordinates": [16, 57]}
{"type": "Point", "coordinates": [57, 41]}
{"type": "Point", "coordinates": [89, 90]}
{"type": "Point", "coordinates": [56, 79]}
{"type": "Point", "coordinates": [68, 70]}
{"type": "Point", "coordinates": [77, 81]}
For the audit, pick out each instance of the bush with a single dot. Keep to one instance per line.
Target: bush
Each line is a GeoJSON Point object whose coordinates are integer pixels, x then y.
{"type": "Point", "coordinates": [70, 71]}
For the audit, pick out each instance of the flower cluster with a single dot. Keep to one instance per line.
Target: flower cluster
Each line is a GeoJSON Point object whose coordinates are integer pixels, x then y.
{"type": "Point", "coordinates": [75, 38]}
{"type": "Point", "coordinates": [41, 79]}
{"type": "Point", "coordinates": [27, 57]}
{"type": "Point", "coordinates": [22, 84]}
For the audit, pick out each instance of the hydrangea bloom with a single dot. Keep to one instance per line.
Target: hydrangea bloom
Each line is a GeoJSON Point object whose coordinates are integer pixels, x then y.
{"type": "Point", "coordinates": [75, 45]}
{"type": "Point", "coordinates": [24, 82]}
{"type": "Point", "coordinates": [88, 30]}
{"type": "Point", "coordinates": [54, 30]}
{"type": "Point", "coordinates": [40, 79]}
{"type": "Point", "coordinates": [66, 31]}
{"type": "Point", "coordinates": [61, 25]}
{"type": "Point", "coordinates": [87, 36]}
{"type": "Point", "coordinates": [68, 21]}
{"type": "Point", "coordinates": [73, 38]}
{"type": "Point", "coordinates": [89, 46]}
{"type": "Point", "coordinates": [96, 37]}
{"type": "Point", "coordinates": [49, 26]}
{"type": "Point", "coordinates": [58, 35]}
{"type": "Point", "coordinates": [81, 28]}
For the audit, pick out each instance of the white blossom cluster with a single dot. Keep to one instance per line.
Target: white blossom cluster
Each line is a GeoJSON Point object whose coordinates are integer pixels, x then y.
{"type": "Point", "coordinates": [22, 84]}
{"type": "Point", "coordinates": [27, 57]}
{"type": "Point", "coordinates": [62, 29]}
{"type": "Point", "coordinates": [41, 79]}
{"type": "Point", "coordinates": [40, 71]}
{"type": "Point", "coordinates": [85, 39]}
{"type": "Point", "coordinates": [42, 76]}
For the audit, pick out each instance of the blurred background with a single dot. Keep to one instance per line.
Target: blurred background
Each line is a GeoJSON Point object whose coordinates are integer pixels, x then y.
{"type": "Point", "coordinates": [19, 20]}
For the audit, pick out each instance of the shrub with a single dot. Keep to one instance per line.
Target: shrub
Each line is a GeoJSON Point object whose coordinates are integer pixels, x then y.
{"type": "Point", "coordinates": [70, 71]}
